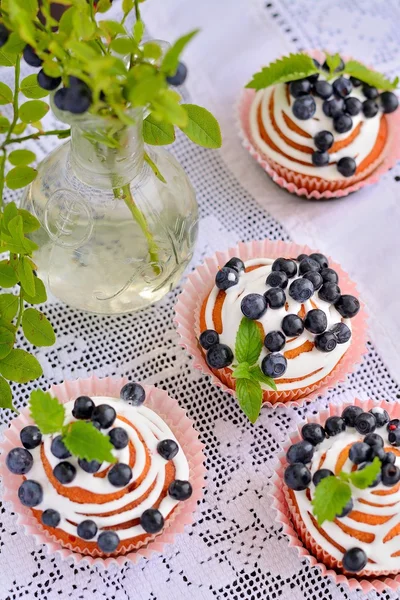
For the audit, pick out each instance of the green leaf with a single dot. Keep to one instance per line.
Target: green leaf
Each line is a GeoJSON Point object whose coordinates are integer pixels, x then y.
{"type": "Point", "coordinates": [20, 366]}
{"type": "Point", "coordinates": [360, 71]}
{"type": "Point", "coordinates": [152, 50]}
{"type": "Point", "coordinates": [20, 177]}
{"type": "Point", "coordinates": [6, 95]}
{"type": "Point", "coordinates": [103, 6]}
{"type": "Point", "coordinates": [122, 45]}
{"type": "Point", "coordinates": [288, 68]}
{"type": "Point", "coordinates": [365, 477]}
{"type": "Point", "coordinates": [112, 28]}
{"type": "Point", "coordinates": [138, 31]}
{"type": "Point", "coordinates": [170, 61]}
{"type": "Point", "coordinates": [166, 107]}
{"type": "Point", "coordinates": [21, 157]}
{"type": "Point", "coordinates": [4, 124]}
{"type": "Point", "coordinates": [127, 6]}
{"type": "Point", "coordinates": [5, 394]}
{"type": "Point", "coordinates": [10, 212]}
{"type": "Point", "coordinates": [31, 89]}
{"type": "Point", "coordinates": [85, 441]}
{"type": "Point", "coordinates": [202, 127]}
{"type": "Point", "coordinates": [330, 497]}
{"type": "Point", "coordinates": [8, 52]}
{"type": "Point", "coordinates": [47, 411]}
{"type": "Point", "coordinates": [7, 340]}
{"type": "Point", "coordinates": [40, 293]}
{"type": "Point", "coordinates": [37, 328]}
{"type": "Point", "coordinates": [8, 306]}
{"type": "Point", "coordinates": [242, 371]}
{"type": "Point", "coordinates": [154, 168]}
{"type": "Point", "coordinates": [8, 276]}
{"type": "Point", "coordinates": [16, 242]}
{"type": "Point", "coordinates": [29, 222]}
{"type": "Point", "coordinates": [19, 128]}
{"type": "Point", "coordinates": [258, 375]}
{"type": "Point", "coordinates": [83, 51]}
{"type": "Point", "coordinates": [144, 86]}
{"type": "Point", "coordinates": [248, 342]}
{"type": "Point", "coordinates": [333, 61]}
{"type": "Point", "coordinates": [84, 27]}
{"type": "Point", "coordinates": [33, 110]}
{"type": "Point", "coordinates": [52, 68]}
{"type": "Point", "coordinates": [157, 133]}
{"type": "Point", "coordinates": [249, 395]}
{"type": "Point", "coordinates": [25, 274]}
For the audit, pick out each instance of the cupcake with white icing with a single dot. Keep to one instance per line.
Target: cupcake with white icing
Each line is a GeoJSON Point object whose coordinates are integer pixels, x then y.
{"type": "Point", "coordinates": [321, 125]}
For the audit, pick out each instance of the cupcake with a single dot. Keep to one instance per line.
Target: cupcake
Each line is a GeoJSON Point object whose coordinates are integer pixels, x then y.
{"type": "Point", "coordinates": [324, 126]}
{"type": "Point", "coordinates": [111, 477]}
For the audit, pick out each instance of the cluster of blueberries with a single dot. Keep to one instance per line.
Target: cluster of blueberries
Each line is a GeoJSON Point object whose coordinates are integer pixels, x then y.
{"type": "Point", "coordinates": [340, 106]}
{"type": "Point", "coordinates": [314, 275]}
{"type": "Point", "coordinates": [19, 461]}
{"type": "Point", "coordinates": [298, 477]}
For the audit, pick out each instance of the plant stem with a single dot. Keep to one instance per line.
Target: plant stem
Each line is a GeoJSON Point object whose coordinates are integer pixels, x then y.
{"type": "Point", "coordinates": [15, 101]}
{"type": "Point", "coordinates": [21, 309]}
{"type": "Point", "coordinates": [2, 178]}
{"type": "Point", "coordinates": [137, 10]}
{"type": "Point", "coordinates": [34, 136]}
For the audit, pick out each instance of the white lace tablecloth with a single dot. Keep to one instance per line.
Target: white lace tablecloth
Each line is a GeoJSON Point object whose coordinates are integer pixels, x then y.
{"type": "Point", "coordinates": [235, 549]}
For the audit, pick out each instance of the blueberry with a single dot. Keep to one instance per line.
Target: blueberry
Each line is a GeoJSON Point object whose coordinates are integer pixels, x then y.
{"type": "Point", "coordinates": [389, 102]}
{"type": "Point", "coordinates": [356, 82]}
{"type": "Point", "coordinates": [316, 321]}
{"type": "Point", "coordinates": [50, 517]}
{"type": "Point", "coordinates": [236, 263]}
{"type": "Point", "coordinates": [323, 89]}
{"type": "Point", "coordinates": [300, 87]}
{"type": "Point", "coordinates": [4, 34]}
{"type": "Point", "coordinates": [346, 510]}
{"type": "Point", "coordinates": [30, 437]}
{"type": "Point", "coordinates": [31, 58]}
{"type": "Point", "coordinates": [313, 433]}
{"type": "Point", "coordinates": [365, 423]}
{"type": "Point", "coordinates": [274, 365]}
{"type": "Point", "coordinates": [319, 158]}
{"type": "Point", "coordinates": [120, 475]}
{"type": "Point", "coordinates": [292, 325]}
{"type": "Point", "coordinates": [352, 106]}
{"type": "Point", "coordinates": [394, 437]}
{"type": "Point", "coordinates": [302, 452]}
{"type": "Point", "coordinates": [77, 100]}
{"type": "Point", "coordinates": [381, 416]}
{"type": "Point", "coordinates": [304, 107]}
{"type": "Point", "coordinates": [152, 520]}
{"type": "Point", "coordinates": [350, 414]}
{"type": "Point", "coordinates": [360, 452]}
{"type": "Point", "coordinates": [301, 290]}
{"type": "Point", "coordinates": [19, 461]}
{"type": "Point", "coordinates": [208, 338]}
{"type": "Point", "coordinates": [87, 529]}
{"type": "Point", "coordinates": [320, 475]}
{"type": "Point", "coordinates": [341, 332]}
{"type": "Point", "coordinates": [275, 297]}
{"type": "Point", "coordinates": [301, 256]}
{"type": "Point", "coordinates": [96, 424]}
{"type": "Point", "coordinates": [30, 493]}
{"type": "Point", "coordinates": [347, 306]}
{"type": "Point", "coordinates": [308, 264]}
{"type": "Point", "coordinates": [274, 341]}
{"type": "Point", "coordinates": [226, 278]}
{"type": "Point", "coordinates": [64, 472]}
{"type": "Point", "coordinates": [340, 66]}
{"type": "Point", "coordinates": [253, 306]}
{"type": "Point", "coordinates": [321, 259]}
{"type": "Point", "coordinates": [297, 477]}
{"type": "Point", "coordinates": [334, 425]}
{"type": "Point", "coordinates": [168, 449]}
{"type": "Point", "coordinates": [219, 356]}
{"type": "Point", "coordinates": [389, 458]}
{"type": "Point", "coordinates": [277, 279]}
{"type": "Point", "coordinates": [329, 292]}
{"type": "Point", "coordinates": [315, 279]}
{"type": "Point", "coordinates": [133, 393]}
{"type": "Point", "coordinates": [334, 107]}
{"type": "Point", "coordinates": [46, 82]}
{"type": "Point", "coordinates": [390, 474]}
{"type": "Point", "coordinates": [346, 166]}
{"type": "Point", "coordinates": [342, 87]}
{"type": "Point", "coordinates": [323, 140]}
{"type": "Point", "coordinates": [354, 560]}
{"type": "Point", "coordinates": [60, 98]}
{"type": "Point", "coordinates": [342, 123]}
{"type": "Point", "coordinates": [90, 466]}
{"type": "Point", "coordinates": [370, 91]}
{"type": "Point", "coordinates": [58, 448]}
{"type": "Point", "coordinates": [118, 437]}
{"type": "Point", "coordinates": [180, 490]}
{"type": "Point", "coordinates": [108, 541]}
{"type": "Point", "coordinates": [325, 342]}
{"type": "Point", "coordinates": [286, 265]}
{"type": "Point", "coordinates": [370, 108]}
{"type": "Point", "coordinates": [180, 75]}
{"type": "Point", "coordinates": [329, 275]}
{"type": "Point", "coordinates": [104, 414]}
{"type": "Point", "coordinates": [313, 78]}
{"type": "Point", "coordinates": [83, 407]}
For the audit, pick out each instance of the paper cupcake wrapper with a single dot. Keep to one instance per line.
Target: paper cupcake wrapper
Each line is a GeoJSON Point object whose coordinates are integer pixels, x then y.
{"type": "Point", "coordinates": [182, 427]}
{"type": "Point", "coordinates": [201, 281]}
{"type": "Point", "coordinates": [309, 186]}
{"type": "Point", "coordinates": [293, 526]}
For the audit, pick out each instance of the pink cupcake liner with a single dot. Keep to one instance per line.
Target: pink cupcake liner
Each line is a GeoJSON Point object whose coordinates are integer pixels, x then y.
{"type": "Point", "coordinates": [293, 527]}
{"type": "Point", "coordinates": [201, 281]}
{"type": "Point", "coordinates": [182, 427]}
{"type": "Point", "coordinates": [308, 186]}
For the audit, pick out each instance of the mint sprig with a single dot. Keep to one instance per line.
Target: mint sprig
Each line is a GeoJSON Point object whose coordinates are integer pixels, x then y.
{"type": "Point", "coordinates": [361, 72]}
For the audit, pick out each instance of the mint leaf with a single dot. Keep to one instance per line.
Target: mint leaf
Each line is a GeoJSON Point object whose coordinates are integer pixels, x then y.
{"type": "Point", "coordinates": [33, 110]}
{"type": "Point", "coordinates": [47, 412]}
{"type": "Point", "coordinates": [360, 71]}
{"type": "Point", "coordinates": [288, 68]}
{"type": "Point", "coordinates": [5, 394]}
{"type": "Point", "coordinates": [20, 366]}
{"type": "Point", "coordinates": [202, 127]}
{"type": "Point", "coordinates": [6, 95]}
{"type": "Point", "coordinates": [21, 157]}
{"type": "Point", "coordinates": [330, 497]}
{"type": "Point", "coordinates": [157, 133]}
{"type": "Point", "coordinates": [171, 59]}
{"type": "Point", "coordinates": [20, 177]}
{"type": "Point", "coordinates": [85, 441]}
{"type": "Point", "coordinates": [31, 89]}
{"type": "Point", "coordinates": [25, 274]}
{"type": "Point", "coordinates": [37, 328]}
{"type": "Point", "coordinates": [258, 375]}
{"type": "Point", "coordinates": [249, 395]}
{"type": "Point", "coordinates": [7, 340]}
{"type": "Point", "coordinates": [365, 477]}
{"type": "Point", "coordinates": [40, 293]}
{"type": "Point", "coordinates": [242, 371]}
{"type": "Point", "coordinates": [8, 276]}
{"type": "Point", "coordinates": [8, 306]}
{"type": "Point", "coordinates": [333, 61]}
{"type": "Point", "coordinates": [248, 342]}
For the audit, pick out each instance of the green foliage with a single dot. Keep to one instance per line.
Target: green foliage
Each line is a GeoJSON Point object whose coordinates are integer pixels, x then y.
{"type": "Point", "coordinates": [47, 412]}
{"type": "Point", "coordinates": [33, 110]}
{"type": "Point", "coordinates": [5, 394]}
{"type": "Point", "coordinates": [6, 95]}
{"type": "Point", "coordinates": [37, 328]}
{"type": "Point", "coordinates": [202, 127]}
{"type": "Point", "coordinates": [158, 133]}
{"type": "Point", "coordinates": [370, 77]}
{"type": "Point", "coordinates": [21, 157]}
{"type": "Point", "coordinates": [20, 177]}
{"type": "Point", "coordinates": [20, 366]}
{"type": "Point", "coordinates": [31, 89]}
{"type": "Point", "coordinates": [288, 68]}
{"type": "Point", "coordinates": [248, 342]}
{"type": "Point", "coordinates": [85, 441]}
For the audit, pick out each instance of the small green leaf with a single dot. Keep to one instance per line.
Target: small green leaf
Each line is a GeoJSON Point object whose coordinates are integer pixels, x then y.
{"type": "Point", "coordinates": [249, 395]}
{"type": "Point", "coordinates": [103, 6]}
{"type": "Point", "coordinates": [21, 157]}
{"type": "Point", "coordinates": [7, 340]}
{"type": "Point", "coordinates": [8, 276]}
{"type": "Point", "coordinates": [25, 275]}
{"type": "Point", "coordinates": [85, 441]}
{"type": "Point", "coordinates": [152, 50]}
{"type": "Point", "coordinates": [8, 306]}
{"type": "Point", "coordinates": [122, 45]}
{"type": "Point", "coordinates": [10, 212]}
{"type": "Point", "coordinates": [52, 68]}
{"type": "Point", "coordinates": [154, 168]}
{"type": "Point", "coordinates": [360, 71]}
{"type": "Point", "coordinates": [37, 328]}
{"type": "Point", "coordinates": [333, 61]}
{"type": "Point", "coordinates": [330, 497]}
{"type": "Point", "coordinates": [138, 31]}
{"type": "Point", "coordinates": [20, 366]}
{"type": "Point", "coordinates": [170, 61]}
{"type": "Point", "coordinates": [33, 110]}
{"type": "Point", "coordinates": [248, 342]}
{"type": "Point", "coordinates": [40, 293]}
{"type": "Point", "coordinates": [258, 375]}
{"type": "Point", "coordinates": [158, 133]}
{"type": "Point", "coordinates": [127, 6]}
{"type": "Point", "coordinates": [112, 28]}
{"type": "Point", "coordinates": [366, 476]}
{"type": "Point", "coordinates": [31, 89]}
{"type": "Point", "coordinates": [202, 127]}
{"type": "Point", "coordinates": [4, 124]}
{"type": "Point", "coordinates": [47, 412]}
{"type": "Point", "coordinates": [66, 24]}
{"type": "Point", "coordinates": [8, 52]}
{"type": "Point", "coordinates": [19, 128]}
{"type": "Point", "coordinates": [288, 68]}
{"type": "Point", "coordinates": [29, 222]}
{"type": "Point", "coordinates": [166, 107]}
{"type": "Point", "coordinates": [242, 371]}
{"type": "Point", "coordinates": [84, 27]}
{"type": "Point", "coordinates": [6, 95]}
{"type": "Point", "coordinates": [20, 177]}
{"type": "Point", "coordinates": [83, 51]}
{"type": "Point", "coordinates": [5, 394]}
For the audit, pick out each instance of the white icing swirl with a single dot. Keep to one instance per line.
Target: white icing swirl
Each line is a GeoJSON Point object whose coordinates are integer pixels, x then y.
{"type": "Point", "coordinates": [152, 429]}
{"type": "Point", "coordinates": [310, 366]}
